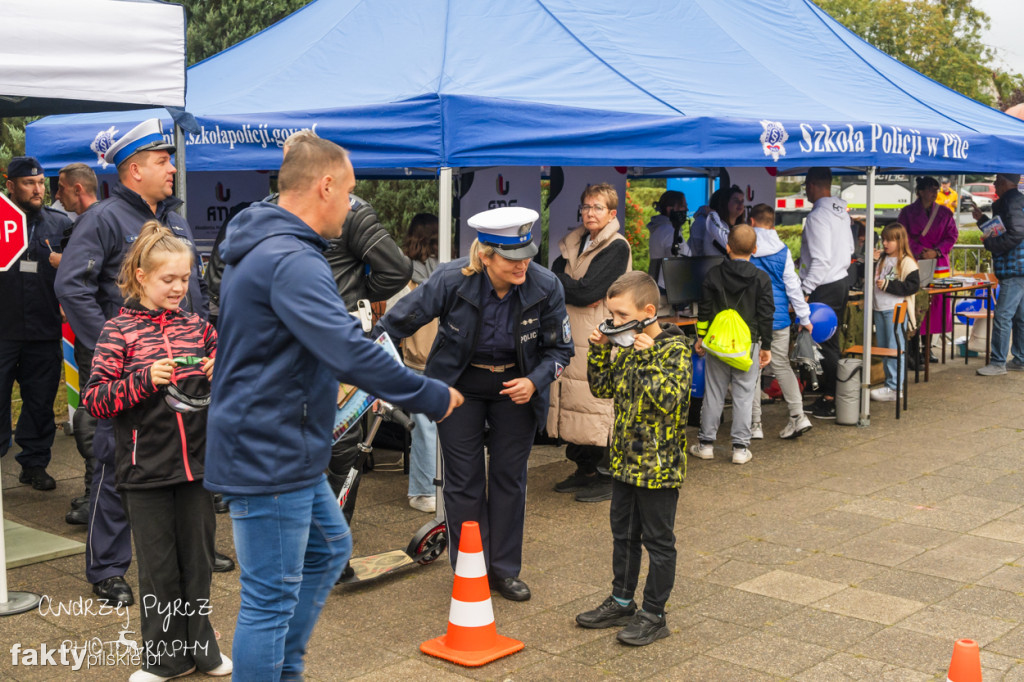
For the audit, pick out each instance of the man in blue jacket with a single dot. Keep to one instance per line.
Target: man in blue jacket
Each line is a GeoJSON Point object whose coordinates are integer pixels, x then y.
{"type": "Point", "coordinates": [1008, 260]}
{"type": "Point", "coordinates": [286, 340]}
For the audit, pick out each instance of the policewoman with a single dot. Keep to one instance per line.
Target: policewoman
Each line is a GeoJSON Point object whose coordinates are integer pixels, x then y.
{"type": "Point", "coordinates": [503, 337]}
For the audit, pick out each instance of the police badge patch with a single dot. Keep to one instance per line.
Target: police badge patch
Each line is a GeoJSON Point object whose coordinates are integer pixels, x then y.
{"type": "Point", "coordinates": [773, 139]}
{"type": "Point", "coordinates": [559, 368]}
{"type": "Point", "coordinates": [566, 331]}
{"type": "Point", "coordinates": [101, 143]}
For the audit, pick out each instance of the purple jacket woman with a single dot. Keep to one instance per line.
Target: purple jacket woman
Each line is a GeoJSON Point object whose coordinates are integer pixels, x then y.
{"type": "Point", "coordinates": [932, 232]}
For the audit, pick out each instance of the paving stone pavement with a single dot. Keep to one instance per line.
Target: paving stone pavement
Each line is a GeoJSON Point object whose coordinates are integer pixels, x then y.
{"type": "Point", "coordinates": [849, 554]}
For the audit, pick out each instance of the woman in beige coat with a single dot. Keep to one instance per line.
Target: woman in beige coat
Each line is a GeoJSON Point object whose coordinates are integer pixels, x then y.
{"type": "Point", "coordinates": [592, 257]}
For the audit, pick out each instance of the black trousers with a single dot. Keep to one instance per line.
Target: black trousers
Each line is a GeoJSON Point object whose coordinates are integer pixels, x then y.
{"type": "Point", "coordinates": [108, 545]}
{"type": "Point", "coordinates": [173, 528]}
{"type": "Point", "coordinates": [833, 295]}
{"type": "Point", "coordinates": [643, 517]}
{"type": "Point", "coordinates": [83, 423]}
{"type": "Point", "coordinates": [494, 496]}
{"type": "Point", "coordinates": [344, 454]}
{"type": "Point", "coordinates": [35, 365]}
{"type": "Point", "coordinates": [588, 458]}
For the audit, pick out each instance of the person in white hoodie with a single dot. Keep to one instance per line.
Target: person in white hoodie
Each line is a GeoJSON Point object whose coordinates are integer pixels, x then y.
{"type": "Point", "coordinates": [774, 257]}
{"type": "Point", "coordinates": [826, 248]}
{"type": "Point", "coordinates": [665, 229]}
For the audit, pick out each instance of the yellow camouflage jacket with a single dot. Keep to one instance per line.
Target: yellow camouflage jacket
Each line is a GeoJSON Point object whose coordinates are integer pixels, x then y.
{"type": "Point", "coordinates": [651, 391]}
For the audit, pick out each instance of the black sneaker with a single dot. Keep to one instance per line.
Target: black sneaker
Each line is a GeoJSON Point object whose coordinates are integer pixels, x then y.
{"type": "Point", "coordinates": [645, 629]}
{"type": "Point", "coordinates": [598, 491]}
{"type": "Point", "coordinates": [38, 477]}
{"type": "Point", "coordinates": [824, 409]}
{"type": "Point", "coordinates": [576, 481]}
{"type": "Point", "coordinates": [608, 615]}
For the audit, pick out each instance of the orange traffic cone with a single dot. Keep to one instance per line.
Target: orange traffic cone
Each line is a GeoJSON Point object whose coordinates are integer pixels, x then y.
{"type": "Point", "coordinates": [966, 663]}
{"type": "Point", "coordinates": [472, 638]}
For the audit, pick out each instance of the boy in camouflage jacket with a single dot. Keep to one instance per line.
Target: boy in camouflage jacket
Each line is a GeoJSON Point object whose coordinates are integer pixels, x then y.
{"type": "Point", "coordinates": [649, 380]}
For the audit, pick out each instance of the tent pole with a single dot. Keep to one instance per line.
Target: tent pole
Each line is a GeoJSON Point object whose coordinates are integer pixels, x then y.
{"type": "Point", "coordinates": [869, 287]}
{"type": "Point", "coordinates": [444, 218]}
{"type": "Point", "coordinates": [179, 162]}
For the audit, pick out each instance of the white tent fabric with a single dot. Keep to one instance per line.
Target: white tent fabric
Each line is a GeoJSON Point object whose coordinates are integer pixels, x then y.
{"type": "Point", "coordinates": [90, 55]}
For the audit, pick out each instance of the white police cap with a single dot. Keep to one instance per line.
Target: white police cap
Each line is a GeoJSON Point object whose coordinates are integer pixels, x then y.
{"type": "Point", "coordinates": [509, 230]}
{"type": "Point", "coordinates": [148, 136]}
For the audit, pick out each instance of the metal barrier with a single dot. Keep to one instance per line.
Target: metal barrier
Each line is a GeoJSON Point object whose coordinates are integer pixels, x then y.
{"type": "Point", "coordinates": [970, 258]}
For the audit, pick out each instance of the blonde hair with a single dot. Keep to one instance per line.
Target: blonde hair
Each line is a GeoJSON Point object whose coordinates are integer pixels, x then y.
{"type": "Point", "coordinates": [897, 233]}
{"type": "Point", "coordinates": [476, 263]}
{"type": "Point", "coordinates": [604, 190]}
{"type": "Point", "coordinates": [153, 246]}
{"type": "Point", "coordinates": [307, 161]}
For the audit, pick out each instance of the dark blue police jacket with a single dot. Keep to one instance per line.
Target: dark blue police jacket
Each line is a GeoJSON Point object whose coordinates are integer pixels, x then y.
{"type": "Point", "coordinates": [29, 310]}
{"type": "Point", "coordinates": [543, 341]}
{"type": "Point", "coordinates": [87, 278]}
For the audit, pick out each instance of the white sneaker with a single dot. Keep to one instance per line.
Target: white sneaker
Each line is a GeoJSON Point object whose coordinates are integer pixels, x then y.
{"type": "Point", "coordinates": [145, 676]}
{"type": "Point", "coordinates": [883, 395]}
{"type": "Point", "coordinates": [423, 503]}
{"type": "Point", "coordinates": [991, 370]}
{"type": "Point", "coordinates": [222, 670]}
{"type": "Point", "coordinates": [795, 427]}
{"type": "Point", "coordinates": [701, 451]}
{"type": "Point", "coordinates": [756, 432]}
{"type": "Point", "coordinates": [741, 455]}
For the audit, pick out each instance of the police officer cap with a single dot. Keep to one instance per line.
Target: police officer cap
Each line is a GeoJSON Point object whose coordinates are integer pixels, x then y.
{"type": "Point", "coordinates": [509, 230]}
{"type": "Point", "coordinates": [148, 136]}
{"type": "Point", "coordinates": [24, 167]}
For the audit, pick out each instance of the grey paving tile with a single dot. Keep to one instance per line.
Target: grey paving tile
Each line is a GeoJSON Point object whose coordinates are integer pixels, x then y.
{"type": "Point", "coordinates": [771, 653]}
{"type": "Point", "coordinates": [907, 649]}
{"type": "Point", "coordinates": [845, 667]}
{"type": "Point", "coordinates": [910, 585]}
{"type": "Point", "coordinates": [954, 624]}
{"type": "Point", "coordinates": [987, 602]}
{"type": "Point", "coordinates": [875, 551]}
{"type": "Point", "coordinates": [708, 669]}
{"type": "Point", "coordinates": [744, 608]}
{"type": "Point", "coordinates": [830, 630]}
{"type": "Point", "coordinates": [1009, 578]}
{"type": "Point", "coordinates": [835, 568]}
{"type": "Point", "coordinates": [792, 587]}
{"type": "Point", "coordinates": [868, 605]}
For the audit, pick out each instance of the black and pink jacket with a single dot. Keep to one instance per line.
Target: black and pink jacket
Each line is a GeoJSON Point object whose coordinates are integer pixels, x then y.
{"type": "Point", "coordinates": [156, 446]}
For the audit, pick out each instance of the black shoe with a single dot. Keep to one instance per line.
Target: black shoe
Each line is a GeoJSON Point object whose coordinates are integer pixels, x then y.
{"type": "Point", "coordinates": [645, 629]}
{"type": "Point", "coordinates": [512, 589]}
{"type": "Point", "coordinates": [78, 516]}
{"type": "Point", "coordinates": [824, 409]}
{"type": "Point", "coordinates": [347, 573]}
{"type": "Point", "coordinates": [82, 501]}
{"type": "Point", "coordinates": [38, 477]}
{"type": "Point", "coordinates": [222, 564]}
{"type": "Point", "coordinates": [608, 615]}
{"type": "Point", "coordinates": [576, 481]}
{"type": "Point", "coordinates": [114, 590]}
{"type": "Point", "coordinates": [599, 491]}
{"type": "Point", "coordinates": [219, 505]}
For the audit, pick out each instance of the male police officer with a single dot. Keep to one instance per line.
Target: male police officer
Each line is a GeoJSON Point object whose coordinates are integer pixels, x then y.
{"type": "Point", "coordinates": [87, 289]}
{"type": "Point", "coordinates": [30, 350]}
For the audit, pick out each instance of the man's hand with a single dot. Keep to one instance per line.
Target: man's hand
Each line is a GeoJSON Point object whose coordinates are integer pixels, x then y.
{"type": "Point", "coordinates": [809, 327]}
{"type": "Point", "coordinates": [764, 357]}
{"type": "Point", "coordinates": [455, 399]}
{"type": "Point", "coordinates": [519, 390]}
{"type": "Point", "coordinates": [208, 367]}
{"type": "Point", "coordinates": [642, 342]}
{"type": "Point", "coordinates": [54, 259]}
{"type": "Point", "coordinates": [698, 348]}
{"type": "Point", "coordinates": [976, 212]}
{"type": "Point", "coordinates": [161, 371]}
{"type": "Point", "coordinates": [597, 338]}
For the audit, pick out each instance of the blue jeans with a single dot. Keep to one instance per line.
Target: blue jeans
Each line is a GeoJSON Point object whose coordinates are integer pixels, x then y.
{"type": "Point", "coordinates": [885, 338]}
{"type": "Point", "coordinates": [422, 455]}
{"type": "Point", "coordinates": [1009, 314]}
{"type": "Point", "coordinates": [291, 548]}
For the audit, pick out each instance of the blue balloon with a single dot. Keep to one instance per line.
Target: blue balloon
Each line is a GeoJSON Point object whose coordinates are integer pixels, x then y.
{"type": "Point", "coordinates": [697, 387]}
{"type": "Point", "coordinates": [825, 323]}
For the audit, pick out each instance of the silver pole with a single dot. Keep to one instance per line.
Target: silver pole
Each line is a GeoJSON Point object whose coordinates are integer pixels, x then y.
{"type": "Point", "coordinates": [869, 287]}
{"type": "Point", "coordinates": [179, 163]}
{"type": "Point", "coordinates": [444, 219]}
{"type": "Point", "coordinates": [12, 603]}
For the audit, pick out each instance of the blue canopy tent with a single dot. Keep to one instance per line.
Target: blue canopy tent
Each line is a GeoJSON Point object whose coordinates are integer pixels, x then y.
{"type": "Point", "coordinates": [445, 84]}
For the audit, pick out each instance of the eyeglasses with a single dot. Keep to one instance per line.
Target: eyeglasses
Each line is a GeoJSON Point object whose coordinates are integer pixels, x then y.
{"type": "Point", "coordinates": [587, 208]}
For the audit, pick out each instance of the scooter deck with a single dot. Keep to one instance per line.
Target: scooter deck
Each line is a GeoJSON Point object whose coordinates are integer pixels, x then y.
{"type": "Point", "coordinates": [377, 565]}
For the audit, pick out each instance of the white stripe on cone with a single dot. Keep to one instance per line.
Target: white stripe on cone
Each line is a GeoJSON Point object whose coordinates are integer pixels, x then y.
{"type": "Point", "coordinates": [471, 614]}
{"type": "Point", "coordinates": [471, 565]}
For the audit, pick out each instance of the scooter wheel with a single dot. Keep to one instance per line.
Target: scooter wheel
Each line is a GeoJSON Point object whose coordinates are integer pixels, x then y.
{"type": "Point", "coordinates": [429, 543]}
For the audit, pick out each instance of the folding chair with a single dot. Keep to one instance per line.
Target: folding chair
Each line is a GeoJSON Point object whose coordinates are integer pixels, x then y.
{"type": "Point", "coordinates": [899, 316]}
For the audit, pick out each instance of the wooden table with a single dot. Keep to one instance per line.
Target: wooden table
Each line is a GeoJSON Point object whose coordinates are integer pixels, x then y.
{"type": "Point", "coordinates": [985, 283]}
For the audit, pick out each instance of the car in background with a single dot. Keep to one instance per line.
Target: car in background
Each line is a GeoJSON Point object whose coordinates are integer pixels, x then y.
{"type": "Point", "coordinates": [982, 189]}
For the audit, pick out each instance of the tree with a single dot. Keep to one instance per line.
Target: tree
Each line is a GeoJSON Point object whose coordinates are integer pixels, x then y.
{"type": "Point", "coordinates": [214, 26]}
{"type": "Point", "coordinates": [940, 38]}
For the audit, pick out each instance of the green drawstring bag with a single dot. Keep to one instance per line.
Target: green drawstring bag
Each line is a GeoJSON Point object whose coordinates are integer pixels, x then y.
{"type": "Point", "coordinates": [728, 339]}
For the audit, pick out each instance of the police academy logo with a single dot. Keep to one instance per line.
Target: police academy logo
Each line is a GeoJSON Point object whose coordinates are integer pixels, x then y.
{"type": "Point", "coordinates": [101, 143]}
{"type": "Point", "coordinates": [773, 139]}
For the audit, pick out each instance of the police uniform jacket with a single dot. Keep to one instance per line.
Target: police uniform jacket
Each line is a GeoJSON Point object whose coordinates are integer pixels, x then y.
{"type": "Point", "coordinates": [29, 311]}
{"type": "Point", "coordinates": [543, 341]}
{"type": "Point", "coordinates": [87, 279]}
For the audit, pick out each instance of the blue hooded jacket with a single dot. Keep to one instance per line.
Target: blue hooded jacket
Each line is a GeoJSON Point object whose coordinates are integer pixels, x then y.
{"type": "Point", "coordinates": [286, 340]}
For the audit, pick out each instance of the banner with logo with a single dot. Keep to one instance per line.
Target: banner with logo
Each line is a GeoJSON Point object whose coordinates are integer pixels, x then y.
{"type": "Point", "coordinates": [567, 184]}
{"type": "Point", "coordinates": [489, 188]}
{"type": "Point", "coordinates": [758, 185]}
{"type": "Point", "coordinates": [212, 195]}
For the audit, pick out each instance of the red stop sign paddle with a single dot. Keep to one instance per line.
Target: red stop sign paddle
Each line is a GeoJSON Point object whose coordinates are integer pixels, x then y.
{"type": "Point", "coordinates": [13, 233]}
